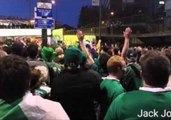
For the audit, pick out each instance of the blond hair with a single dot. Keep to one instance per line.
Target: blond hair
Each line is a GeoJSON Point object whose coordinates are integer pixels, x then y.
{"type": "Point", "coordinates": [114, 63]}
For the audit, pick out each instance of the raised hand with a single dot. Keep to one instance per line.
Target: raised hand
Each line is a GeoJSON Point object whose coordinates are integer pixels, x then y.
{"type": "Point", "coordinates": [127, 33]}
{"type": "Point", "coordinates": [80, 35]}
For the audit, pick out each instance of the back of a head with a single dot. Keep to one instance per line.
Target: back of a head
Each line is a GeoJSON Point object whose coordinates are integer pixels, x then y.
{"type": "Point", "coordinates": [114, 64]}
{"type": "Point", "coordinates": [15, 77]}
{"type": "Point", "coordinates": [17, 48]}
{"type": "Point", "coordinates": [104, 57]}
{"type": "Point", "coordinates": [59, 51]}
{"type": "Point", "coordinates": [116, 51]}
{"type": "Point", "coordinates": [32, 50]}
{"type": "Point", "coordinates": [105, 48]}
{"type": "Point", "coordinates": [73, 57]}
{"type": "Point", "coordinates": [132, 55]}
{"type": "Point", "coordinates": [155, 69]}
{"type": "Point", "coordinates": [60, 55]}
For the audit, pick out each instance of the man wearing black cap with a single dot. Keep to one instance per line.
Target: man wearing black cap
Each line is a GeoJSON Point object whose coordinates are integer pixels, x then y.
{"type": "Point", "coordinates": [131, 56]}
{"type": "Point", "coordinates": [132, 80]}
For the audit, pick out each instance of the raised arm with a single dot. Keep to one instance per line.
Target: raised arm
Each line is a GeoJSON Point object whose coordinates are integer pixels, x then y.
{"type": "Point", "coordinates": [127, 36]}
{"type": "Point", "coordinates": [83, 47]}
{"type": "Point", "coordinates": [98, 47]}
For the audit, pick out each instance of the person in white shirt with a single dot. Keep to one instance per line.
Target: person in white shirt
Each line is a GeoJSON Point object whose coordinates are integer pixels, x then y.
{"type": "Point", "coordinates": [16, 102]}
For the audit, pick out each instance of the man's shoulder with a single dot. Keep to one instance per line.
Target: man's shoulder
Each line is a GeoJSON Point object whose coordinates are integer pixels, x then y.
{"type": "Point", "coordinates": [107, 81]}
{"type": "Point", "coordinates": [133, 66]}
{"type": "Point", "coordinates": [93, 72]}
{"type": "Point", "coordinates": [137, 95]}
{"type": "Point", "coordinates": [133, 71]}
{"type": "Point", "coordinates": [38, 107]}
{"type": "Point", "coordinates": [128, 96]}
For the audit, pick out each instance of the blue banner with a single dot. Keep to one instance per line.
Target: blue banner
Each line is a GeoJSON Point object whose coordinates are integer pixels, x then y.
{"type": "Point", "coordinates": [44, 23]}
{"type": "Point", "coordinates": [41, 12]}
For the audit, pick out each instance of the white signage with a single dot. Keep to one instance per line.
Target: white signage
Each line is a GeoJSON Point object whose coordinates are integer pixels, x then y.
{"type": "Point", "coordinates": [44, 5]}
{"type": "Point", "coordinates": [95, 2]}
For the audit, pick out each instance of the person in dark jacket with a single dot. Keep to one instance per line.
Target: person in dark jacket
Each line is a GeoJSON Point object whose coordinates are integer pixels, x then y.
{"type": "Point", "coordinates": [76, 88]}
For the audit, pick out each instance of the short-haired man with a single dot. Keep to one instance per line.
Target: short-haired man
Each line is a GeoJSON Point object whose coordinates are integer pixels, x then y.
{"type": "Point", "coordinates": [133, 79]}
{"type": "Point", "coordinates": [151, 101]}
{"type": "Point", "coordinates": [111, 86]}
{"type": "Point", "coordinates": [16, 103]}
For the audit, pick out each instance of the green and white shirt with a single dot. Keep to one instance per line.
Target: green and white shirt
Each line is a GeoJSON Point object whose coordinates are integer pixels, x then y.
{"type": "Point", "coordinates": [146, 103]}
{"type": "Point", "coordinates": [32, 108]}
{"type": "Point", "coordinates": [111, 88]}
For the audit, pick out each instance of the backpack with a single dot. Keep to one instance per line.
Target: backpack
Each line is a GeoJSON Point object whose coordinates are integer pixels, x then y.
{"type": "Point", "coordinates": [132, 80]}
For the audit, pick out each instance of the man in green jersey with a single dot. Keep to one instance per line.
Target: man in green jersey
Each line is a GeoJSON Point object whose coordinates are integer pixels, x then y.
{"type": "Point", "coordinates": [153, 100]}
{"type": "Point", "coordinates": [111, 86]}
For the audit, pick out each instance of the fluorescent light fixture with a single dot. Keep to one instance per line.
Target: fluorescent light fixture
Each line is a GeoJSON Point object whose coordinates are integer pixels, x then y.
{"type": "Point", "coordinates": [22, 32]}
{"type": "Point", "coordinates": [161, 2]}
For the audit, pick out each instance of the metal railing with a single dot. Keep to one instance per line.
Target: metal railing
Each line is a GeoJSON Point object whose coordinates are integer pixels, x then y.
{"type": "Point", "coordinates": [162, 25]}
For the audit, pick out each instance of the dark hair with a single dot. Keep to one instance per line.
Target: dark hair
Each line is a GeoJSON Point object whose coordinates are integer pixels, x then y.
{"type": "Point", "coordinates": [17, 48]}
{"type": "Point", "coordinates": [167, 52]}
{"type": "Point", "coordinates": [110, 51]}
{"type": "Point", "coordinates": [132, 55]}
{"type": "Point", "coordinates": [105, 48]}
{"type": "Point", "coordinates": [15, 77]}
{"type": "Point", "coordinates": [155, 68]}
{"type": "Point", "coordinates": [32, 50]}
{"type": "Point", "coordinates": [116, 51]}
{"type": "Point", "coordinates": [104, 57]}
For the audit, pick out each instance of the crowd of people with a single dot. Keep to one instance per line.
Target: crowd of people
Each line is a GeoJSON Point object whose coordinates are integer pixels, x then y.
{"type": "Point", "coordinates": [90, 81]}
